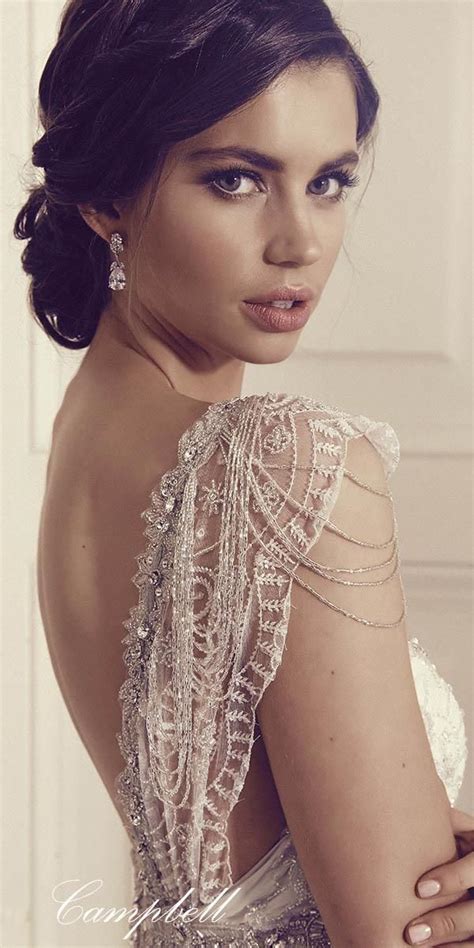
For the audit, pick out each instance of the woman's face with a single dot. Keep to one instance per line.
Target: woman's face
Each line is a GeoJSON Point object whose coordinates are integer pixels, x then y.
{"type": "Point", "coordinates": [203, 251]}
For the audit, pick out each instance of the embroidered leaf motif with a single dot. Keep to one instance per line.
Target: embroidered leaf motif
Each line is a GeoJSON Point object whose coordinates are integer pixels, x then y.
{"type": "Point", "coordinates": [270, 578]}
{"type": "Point", "coordinates": [322, 427]}
{"type": "Point", "coordinates": [268, 625]}
{"type": "Point", "coordinates": [297, 533]}
{"type": "Point", "coordinates": [327, 471]}
{"type": "Point", "coordinates": [326, 447]}
{"type": "Point", "coordinates": [238, 716]}
{"type": "Point", "coordinates": [273, 605]}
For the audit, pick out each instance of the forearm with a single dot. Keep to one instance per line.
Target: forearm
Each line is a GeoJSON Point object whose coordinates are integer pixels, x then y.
{"type": "Point", "coordinates": [384, 926]}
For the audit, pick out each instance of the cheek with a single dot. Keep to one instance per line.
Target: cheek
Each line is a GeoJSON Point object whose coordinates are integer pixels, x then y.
{"type": "Point", "coordinates": [332, 236]}
{"type": "Point", "coordinates": [197, 235]}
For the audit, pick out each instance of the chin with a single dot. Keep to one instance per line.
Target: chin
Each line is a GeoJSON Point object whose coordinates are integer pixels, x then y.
{"type": "Point", "coordinates": [280, 351]}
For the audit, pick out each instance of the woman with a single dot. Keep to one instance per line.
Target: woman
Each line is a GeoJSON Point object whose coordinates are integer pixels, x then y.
{"type": "Point", "coordinates": [197, 156]}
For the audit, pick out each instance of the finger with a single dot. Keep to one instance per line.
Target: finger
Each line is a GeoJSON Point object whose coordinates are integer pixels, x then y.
{"type": "Point", "coordinates": [453, 923]}
{"type": "Point", "coordinates": [453, 877]}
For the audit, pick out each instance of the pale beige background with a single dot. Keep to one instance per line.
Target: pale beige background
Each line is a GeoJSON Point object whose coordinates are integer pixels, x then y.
{"type": "Point", "coordinates": [392, 339]}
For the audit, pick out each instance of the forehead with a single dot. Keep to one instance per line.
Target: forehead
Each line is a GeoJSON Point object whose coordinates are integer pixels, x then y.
{"type": "Point", "coordinates": [307, 106]}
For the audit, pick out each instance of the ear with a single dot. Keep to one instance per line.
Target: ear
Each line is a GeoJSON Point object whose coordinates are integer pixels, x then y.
{"type": "Point", "coordinates": [102, 223]}
{"type": "Point", "coordinates": [94, 220]}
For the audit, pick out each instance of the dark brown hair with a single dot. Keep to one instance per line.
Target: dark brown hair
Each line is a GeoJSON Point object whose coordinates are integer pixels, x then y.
{"type": "Point", "coordinates": [126, 80]}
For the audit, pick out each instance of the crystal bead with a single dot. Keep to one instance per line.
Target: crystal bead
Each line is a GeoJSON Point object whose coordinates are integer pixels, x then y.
{"type": "Point", "coordinates": [135, 651]}
{"type": "Point", "coordinates": [190, 453]}
{"type": "Point", "coordinates": [117, 279]}
{"type": "Point", "coordinates": [169, 484]}
{"type": "Point", "coordinates": [143, 630]}
{"type": "Point", "coordinates": [116, 243]}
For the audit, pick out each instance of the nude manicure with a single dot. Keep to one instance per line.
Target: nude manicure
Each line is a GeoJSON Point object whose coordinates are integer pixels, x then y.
{"type": "Point", "coordinates": [428, 887]}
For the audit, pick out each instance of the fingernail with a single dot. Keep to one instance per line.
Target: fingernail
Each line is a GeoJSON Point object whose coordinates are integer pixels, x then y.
{"type": "Point", "coordinates": [419, 933]}
{"type": "Point", "coordinates": [428, 887]}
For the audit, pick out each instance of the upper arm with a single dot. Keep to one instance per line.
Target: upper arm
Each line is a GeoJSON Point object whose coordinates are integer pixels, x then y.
{"type": "Point", "coordinates": [344, 732]}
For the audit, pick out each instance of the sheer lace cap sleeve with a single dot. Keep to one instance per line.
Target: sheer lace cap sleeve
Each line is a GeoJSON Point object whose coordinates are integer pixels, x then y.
{"type": "Point", "coordinates": [255, 485]}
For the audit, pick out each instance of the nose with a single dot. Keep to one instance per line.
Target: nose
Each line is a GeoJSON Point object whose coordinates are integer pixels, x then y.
{"type": "Point", "coordinates": [293, 240]}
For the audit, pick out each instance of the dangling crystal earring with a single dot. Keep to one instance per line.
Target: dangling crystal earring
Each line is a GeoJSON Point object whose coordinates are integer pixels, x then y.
{"type": "Point", "coordinates": [117, 279]}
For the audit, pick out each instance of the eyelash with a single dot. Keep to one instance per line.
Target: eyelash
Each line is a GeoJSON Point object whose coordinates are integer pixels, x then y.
{"type": "Point", "coordinates": [345, 179]}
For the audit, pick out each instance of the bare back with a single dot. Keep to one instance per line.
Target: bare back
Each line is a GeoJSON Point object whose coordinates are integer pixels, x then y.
{"type": "Point", "coordinates": [112, 441]}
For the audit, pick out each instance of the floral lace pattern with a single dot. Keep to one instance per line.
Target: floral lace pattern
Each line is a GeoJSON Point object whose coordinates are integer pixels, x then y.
{"type": "Point", "coordinates": [256, 480]}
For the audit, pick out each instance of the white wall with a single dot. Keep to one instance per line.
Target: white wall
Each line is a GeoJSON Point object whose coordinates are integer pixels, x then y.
{"type": "Point", "coordinates": [391, 339]}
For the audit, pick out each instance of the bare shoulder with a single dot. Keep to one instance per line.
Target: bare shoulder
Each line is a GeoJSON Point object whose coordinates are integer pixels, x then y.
{"type": "Point", "coordinates": [123, 433]}
{"type": "Point", "coordinates": [343, 729]}
{"type": "Point", "coordinates": [109, 451]}
{"type": "Point", "coordinates": [108, 454]}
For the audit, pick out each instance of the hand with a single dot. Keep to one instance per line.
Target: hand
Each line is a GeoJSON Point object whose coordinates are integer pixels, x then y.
{"type": "Point", "coordinates": [452, 924]}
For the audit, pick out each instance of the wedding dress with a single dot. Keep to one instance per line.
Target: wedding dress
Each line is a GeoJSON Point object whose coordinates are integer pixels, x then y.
{"type": "Point", "coordinates": [256, 479]}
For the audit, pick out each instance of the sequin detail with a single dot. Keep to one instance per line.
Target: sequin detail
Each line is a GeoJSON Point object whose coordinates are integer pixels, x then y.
{"type": "Point", "coordinates": [256, 480]}
{"type": "Point", "coordinates": [307, 930]}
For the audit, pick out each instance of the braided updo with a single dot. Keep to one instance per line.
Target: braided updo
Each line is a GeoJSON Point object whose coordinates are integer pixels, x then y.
{"type": "Point", "coordinates": [127, 80]}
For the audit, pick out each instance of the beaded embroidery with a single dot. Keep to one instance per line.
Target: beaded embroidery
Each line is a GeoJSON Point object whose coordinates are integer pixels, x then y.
{"type": "Point", "coordinates": [256, 480]}
{"type": "Point", "coordinates": [444, 720]}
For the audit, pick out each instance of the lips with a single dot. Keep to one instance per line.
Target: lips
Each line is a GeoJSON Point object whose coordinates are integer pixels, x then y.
{"type": "Point", "coordinates": [284, 294]}
{"type": "Point", "coordinates": [274, 318]}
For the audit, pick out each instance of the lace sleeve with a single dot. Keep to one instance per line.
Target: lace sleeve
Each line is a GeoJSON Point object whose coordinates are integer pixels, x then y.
{"type": "Point", "coordinates": [309, 465]}
{"type": "Point", "coordinates": [251, 509]}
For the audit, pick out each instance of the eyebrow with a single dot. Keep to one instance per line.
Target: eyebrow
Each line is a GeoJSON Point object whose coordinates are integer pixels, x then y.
{"type": "Point", "coordinates": [267, 162]}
